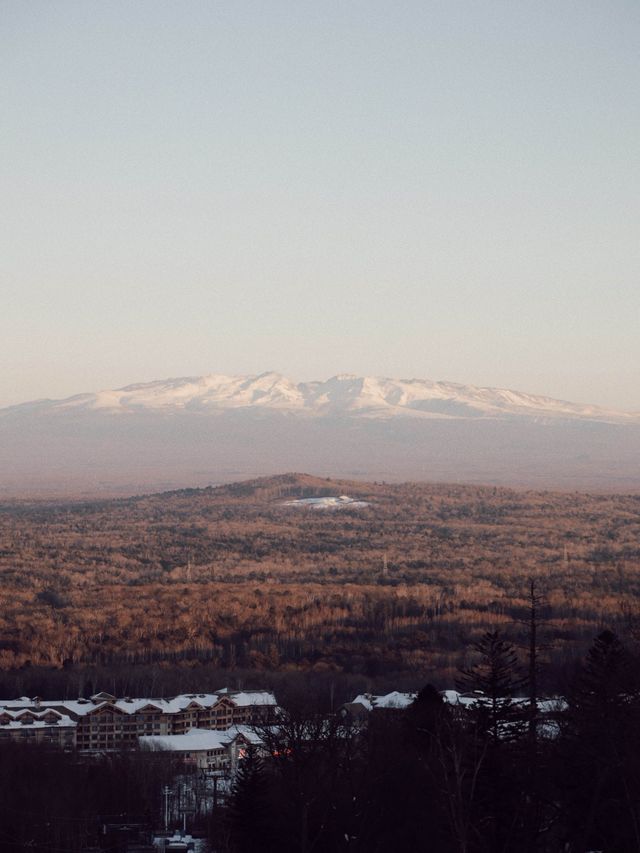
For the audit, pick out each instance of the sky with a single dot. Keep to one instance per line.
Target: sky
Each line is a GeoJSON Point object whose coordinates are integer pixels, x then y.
{"type": "Point", "coordinates": [444, 189]}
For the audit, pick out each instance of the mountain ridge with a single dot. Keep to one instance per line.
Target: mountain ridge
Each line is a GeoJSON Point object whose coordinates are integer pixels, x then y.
{"type": "Point", "coordinates": [342, 395]}
{"type": "Point", "coordinates": [198, 431]}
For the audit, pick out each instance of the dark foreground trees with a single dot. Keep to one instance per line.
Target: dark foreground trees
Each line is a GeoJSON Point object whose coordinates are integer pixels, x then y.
{"type": "Point", "coordinates": [435, 778]}
{"type": "Point", "coordinates": [431, 779]}
{"type": "Point", "coordinates": [54, 801]}
{"type": "Point", "coordinates": [600, 751]}
{"type": "Point", "coordinates": [250, 812]}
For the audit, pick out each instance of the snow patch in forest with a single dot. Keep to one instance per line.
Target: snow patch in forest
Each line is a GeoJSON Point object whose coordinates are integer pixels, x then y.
{"type": "Point", "coordinates": [340, 502]}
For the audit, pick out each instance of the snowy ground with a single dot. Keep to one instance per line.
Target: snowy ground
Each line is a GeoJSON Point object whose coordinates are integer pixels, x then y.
{"type": "Point", "coordinates": [340, 502]}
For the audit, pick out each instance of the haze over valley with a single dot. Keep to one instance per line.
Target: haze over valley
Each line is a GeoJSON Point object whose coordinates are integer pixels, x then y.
{"type": "Point", "coordinates": [196, 431]}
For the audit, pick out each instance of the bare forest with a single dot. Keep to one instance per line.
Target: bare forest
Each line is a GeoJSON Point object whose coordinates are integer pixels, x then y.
{"type": "Point", "coordinates": [229, 578]}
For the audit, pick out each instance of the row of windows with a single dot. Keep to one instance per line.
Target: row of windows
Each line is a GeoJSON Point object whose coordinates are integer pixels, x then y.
{"type": "Point", "coordinates": [224, 713]}
{"type": "Point", "coordinates": [28, 721]}
{"type": "Point", "coordinates": [107, 722]}
{"type": "Point", "coordinates": [32, 734]}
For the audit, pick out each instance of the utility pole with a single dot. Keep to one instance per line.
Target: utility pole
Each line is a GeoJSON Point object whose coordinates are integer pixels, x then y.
{"type": "Point", "coordinates": [166, 792]}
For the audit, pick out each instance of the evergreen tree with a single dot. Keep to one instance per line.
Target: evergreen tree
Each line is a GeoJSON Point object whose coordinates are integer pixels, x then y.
{"type": "Point", "coordinates": [601, 748]}
{"type": "Point", "coordinates": [249, 810]}
{"type": "Point", "coordinates": [496, 675]}
{"type": "Point", "coordinates": [495, 723]}
{"type": "Point", "coordinates": [423, 716]}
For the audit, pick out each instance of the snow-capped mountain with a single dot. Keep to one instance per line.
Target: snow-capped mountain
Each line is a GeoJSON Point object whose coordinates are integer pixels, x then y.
{"type": "Point", "coordinates": [342, 395]}
{"type": "Point", "coordinates": [210, 429]}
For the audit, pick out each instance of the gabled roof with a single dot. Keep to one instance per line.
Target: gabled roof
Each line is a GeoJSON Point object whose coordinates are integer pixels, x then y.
{"type": "Point", "coordinates": [245, 733]}
{"type": "Point", "coordinates": [198, 701]}
{"type": "Point", "coordinates": [103, 697]}
{"type": "Point", "coordinates": [104, 707]}
{"type": "Point", "coordinates": [142, 705]}
{"type": "Point", "coordinates": [39, 720]}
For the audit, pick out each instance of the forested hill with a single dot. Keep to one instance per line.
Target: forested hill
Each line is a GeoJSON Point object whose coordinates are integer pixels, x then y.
{"type": "Point", "coordinates": [239, 576]}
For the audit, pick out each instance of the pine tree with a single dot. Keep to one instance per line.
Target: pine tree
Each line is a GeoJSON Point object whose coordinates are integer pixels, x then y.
{"type": "Point", "coordinates": [497, 675]}
{"type": "Point", "coordinates": [601, 745]}
{"type": "Point", "coordinates": [249, 811]}
{"type": "Point", "coordinates": [423, 716]}
{"type": "Point", "coordinates": [495, 721]}
{"type": "Point", "coordinates": [602, 690]}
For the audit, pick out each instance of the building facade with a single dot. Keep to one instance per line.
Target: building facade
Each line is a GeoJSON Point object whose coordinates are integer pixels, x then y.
{"type": "Point", "coordinates": [103, 722]}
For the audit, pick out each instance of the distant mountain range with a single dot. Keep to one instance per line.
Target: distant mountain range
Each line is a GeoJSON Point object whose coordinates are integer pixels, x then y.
{"type": "Point", "coordinates": [343, 395]}
{"type": "Point", "coordinates": [208, 429]}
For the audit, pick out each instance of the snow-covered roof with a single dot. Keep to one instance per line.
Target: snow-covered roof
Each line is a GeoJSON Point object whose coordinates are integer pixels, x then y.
{"type": "Point", "coordinates": [393, 700]}
{"type": "Point", "coordinates": [39, 720]}
{"type": "Point", "coordinates": [246, 699]}
{"type": "Point", "coordinates": [450, 696]}
{"type": "Point", "coordinates": [454, 697]}
{"type": "Point", "coordinates": [246, 732]}
{"type": "Point", "coordinates": [195, 740]}
{"type": "Point", "coordinates": [78, 707]}
{"type": "Point", "coordinates": [81, 707]}
{"type": "Point", "coordinates": [364, 699]}
{"type": "Point", "coordinates": [200, 740]}
{"type": "Point", "coordinates": [550, 705]}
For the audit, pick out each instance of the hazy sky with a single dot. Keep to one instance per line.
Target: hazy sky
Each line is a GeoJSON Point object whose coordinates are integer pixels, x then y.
{"type": "Point", "coordinates": [446, 190]}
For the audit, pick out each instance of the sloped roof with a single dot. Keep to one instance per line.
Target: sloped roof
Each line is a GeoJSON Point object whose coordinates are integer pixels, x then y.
{"type": "Point", "coordinates": [195, 740]}
{"type": "Point", "coordinates": [394, 700]}
{"type": "Point", "coordinates": [81, 707]}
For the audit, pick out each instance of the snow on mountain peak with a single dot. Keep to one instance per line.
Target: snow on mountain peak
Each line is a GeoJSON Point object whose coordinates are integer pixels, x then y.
{"type": "Point", "coordinates": [341, 395]}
